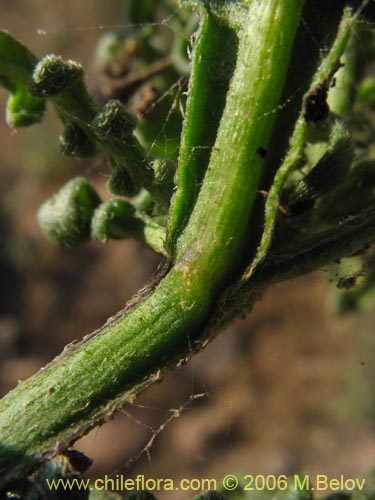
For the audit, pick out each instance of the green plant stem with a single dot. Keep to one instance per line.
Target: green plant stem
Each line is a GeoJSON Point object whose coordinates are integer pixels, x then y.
{"type": "Point", "coordinates": [86, 384]}
{"type": "Point", "coordinates": [210, 70]}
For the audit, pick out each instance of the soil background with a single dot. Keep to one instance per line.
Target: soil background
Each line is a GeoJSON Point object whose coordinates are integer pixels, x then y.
{"type": "Point", "coordinates": [288, 389]}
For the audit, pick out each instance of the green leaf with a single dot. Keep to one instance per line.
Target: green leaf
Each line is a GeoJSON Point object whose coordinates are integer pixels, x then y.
{"type": "Point", "coordinates": [16, 61]}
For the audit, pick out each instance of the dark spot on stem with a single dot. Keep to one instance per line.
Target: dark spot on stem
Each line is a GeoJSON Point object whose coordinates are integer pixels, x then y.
{"type": "Point", "coordinates": [262, 152]}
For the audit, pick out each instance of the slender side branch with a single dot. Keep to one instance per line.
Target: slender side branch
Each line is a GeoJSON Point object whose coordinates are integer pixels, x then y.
{"type": "Point", "coordinates": [62, 83]}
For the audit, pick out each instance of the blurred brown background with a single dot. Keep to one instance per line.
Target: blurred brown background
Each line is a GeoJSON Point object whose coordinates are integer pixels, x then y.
{"type": "Point", "coordinates": [289, 389]}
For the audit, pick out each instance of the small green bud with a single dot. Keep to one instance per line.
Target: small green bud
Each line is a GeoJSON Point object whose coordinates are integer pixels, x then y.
{"type": "Point", "coordinates": [115, 219]}
{"type": "Point", "coordinates": [75, 142]}
{"type": "Point", "coordinates": [52, 75]}
{"type": "Point", "coordinates": [120, 183]}
{"type": "Point", "coordinates": [66, 217]}
{"type": "Point", "coordinates": [113, 120]}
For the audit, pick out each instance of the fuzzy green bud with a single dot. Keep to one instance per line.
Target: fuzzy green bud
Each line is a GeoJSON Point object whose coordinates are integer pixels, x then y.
{"type": "Point", "coordinates": [66, 217]}
{"type": "Point", "coordinates": [120, 183]}
{"type": "Point", "coordinates": [52, 75]}
{"type": "Point", "coordinates": [115, 219]}
{"type": "Point", "coordinates": [113, 120]}
{"type": "Point", "coordinates": [75, 142]}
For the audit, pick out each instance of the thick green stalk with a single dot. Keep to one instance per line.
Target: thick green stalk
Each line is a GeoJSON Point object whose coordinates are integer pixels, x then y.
{"type": "Point", "coordinates": [82, 387]}
{"type": "Point", "coordinates": [246, 126]}
{"type": "Point", "coordinates": [210, 70]}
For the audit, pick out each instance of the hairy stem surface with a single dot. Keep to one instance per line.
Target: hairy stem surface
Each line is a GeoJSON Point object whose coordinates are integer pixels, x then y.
{"type": "Point", "coordinates": [82, 387]}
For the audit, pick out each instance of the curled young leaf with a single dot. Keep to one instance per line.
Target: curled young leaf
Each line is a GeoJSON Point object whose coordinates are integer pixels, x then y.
{"type": "Point", "coordinates": [23, 109]}
{"type": "Point", "coordinates": [66, 217]}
